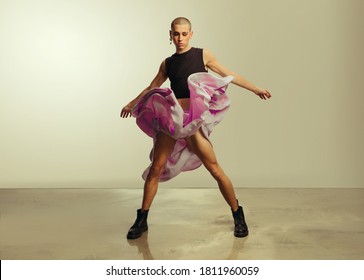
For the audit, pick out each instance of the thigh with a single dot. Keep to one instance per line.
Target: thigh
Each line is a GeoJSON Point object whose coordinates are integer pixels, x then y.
{"type": "Point", "coordinates": [202, 147]}
{"type": "Point", "coordinates": [163, 146]}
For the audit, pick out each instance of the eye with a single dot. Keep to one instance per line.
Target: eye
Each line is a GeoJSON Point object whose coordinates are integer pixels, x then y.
{"type": "Point", "coordinates": [185, 33]}
{"type": "Point", "coordinates": [175, 34]}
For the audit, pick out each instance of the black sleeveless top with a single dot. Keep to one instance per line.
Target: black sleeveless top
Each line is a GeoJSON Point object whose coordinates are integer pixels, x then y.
{"type": "Point", "coordinates": [180, 66]}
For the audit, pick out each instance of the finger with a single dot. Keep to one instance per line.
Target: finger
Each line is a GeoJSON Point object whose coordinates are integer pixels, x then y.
{"type": "Point", "coordinates": [126, 114]}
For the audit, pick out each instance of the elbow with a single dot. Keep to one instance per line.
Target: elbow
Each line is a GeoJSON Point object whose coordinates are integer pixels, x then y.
{"type": "Point", "coordinates": [230, 74]}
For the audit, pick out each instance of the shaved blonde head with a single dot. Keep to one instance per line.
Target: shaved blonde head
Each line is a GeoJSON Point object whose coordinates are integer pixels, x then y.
{"type": "Point", "coordinates": [181, 20]}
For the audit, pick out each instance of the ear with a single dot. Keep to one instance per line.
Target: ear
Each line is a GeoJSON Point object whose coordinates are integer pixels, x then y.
{"type": "Point", "coordinates": [170, 34]}
{"type": "Point", "coordinates": [191, 34]}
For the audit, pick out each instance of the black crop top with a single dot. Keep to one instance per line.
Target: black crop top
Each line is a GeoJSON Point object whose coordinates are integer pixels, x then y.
{"type": "Point", "coordinates": [180, 66]}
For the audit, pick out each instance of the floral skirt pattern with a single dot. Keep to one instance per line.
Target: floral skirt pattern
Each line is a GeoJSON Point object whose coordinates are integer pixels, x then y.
{"type": "Point", "coordinates": [159, 111]}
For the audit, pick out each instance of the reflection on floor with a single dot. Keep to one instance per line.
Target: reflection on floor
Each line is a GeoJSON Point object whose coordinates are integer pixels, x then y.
{"type": "Point", "coordinates": [184, 224]}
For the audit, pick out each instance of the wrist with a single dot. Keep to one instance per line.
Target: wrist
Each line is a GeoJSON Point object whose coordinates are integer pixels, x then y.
{"type": "Point", "coordinates": [255, 90]}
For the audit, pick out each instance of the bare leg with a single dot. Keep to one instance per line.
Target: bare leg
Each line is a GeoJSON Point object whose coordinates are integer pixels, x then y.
{"type": "Point", "coordinates": [163, 146]}
{"type": "Point", "coordinates": [162, 149]}
{"type": "Point", "coordinates": [203, 149]}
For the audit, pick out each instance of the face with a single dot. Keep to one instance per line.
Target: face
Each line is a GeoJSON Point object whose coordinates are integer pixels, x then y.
{"type": "Point", "coordinates": [181, 35]}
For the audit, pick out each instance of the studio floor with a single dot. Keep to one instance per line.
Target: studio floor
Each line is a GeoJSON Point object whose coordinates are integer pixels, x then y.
{"type": "Point", "coordinates": [196, 224]}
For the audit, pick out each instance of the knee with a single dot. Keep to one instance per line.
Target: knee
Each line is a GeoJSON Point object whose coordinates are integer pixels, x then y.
{"type": "Point", "coordinates": [216, 171]}
{"type": "Point", "coordinates": [155, 171]}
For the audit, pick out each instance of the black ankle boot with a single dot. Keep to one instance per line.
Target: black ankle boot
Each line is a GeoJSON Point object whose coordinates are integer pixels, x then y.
{"type": "Point", "coordinates": [140, 225]}
{"type": "Point", "coordinates": [241, 228]}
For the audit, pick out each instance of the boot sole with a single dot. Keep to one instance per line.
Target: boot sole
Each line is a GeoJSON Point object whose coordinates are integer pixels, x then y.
{"type": "Point", "coordinates": [242, 235]}
{"type": "Point", "coordinates": [136, 236]}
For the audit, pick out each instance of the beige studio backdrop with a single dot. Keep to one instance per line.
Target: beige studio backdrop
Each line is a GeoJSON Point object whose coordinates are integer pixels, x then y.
{"type": "Point", "coordinates": [68, 67]}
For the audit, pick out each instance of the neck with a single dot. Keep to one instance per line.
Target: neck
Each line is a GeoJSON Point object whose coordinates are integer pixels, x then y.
{"type": "Point", "coordinates": [186, 49]}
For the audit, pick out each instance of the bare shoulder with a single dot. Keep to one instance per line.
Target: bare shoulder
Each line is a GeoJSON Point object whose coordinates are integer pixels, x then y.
{"type": "Point", "coordinates": [207, 56]}
{"type": "Point", "coordinates": [162, 67]}
{"type": "Point", "coordinates": [161, 76]}
{"type": "Point", "coordinates": [213, 64]}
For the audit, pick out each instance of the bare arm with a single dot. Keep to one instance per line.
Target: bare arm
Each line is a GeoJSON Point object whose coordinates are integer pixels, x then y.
{"type": "Point", "coordinates": [159, 79]}
{"type": "Point", "coordinates": [212, 63]}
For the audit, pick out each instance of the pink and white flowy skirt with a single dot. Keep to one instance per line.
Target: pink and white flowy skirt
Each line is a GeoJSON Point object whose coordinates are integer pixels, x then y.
{"type": "Point", "coordinates": [159, 111]}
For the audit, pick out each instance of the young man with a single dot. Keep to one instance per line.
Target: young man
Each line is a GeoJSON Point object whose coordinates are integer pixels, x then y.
{"type": "Point", "coordinates": [180, 122]}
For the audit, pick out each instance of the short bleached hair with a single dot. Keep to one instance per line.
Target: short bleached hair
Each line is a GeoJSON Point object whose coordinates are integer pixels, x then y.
{"type": "Point", "coordinates": [181, 20]}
